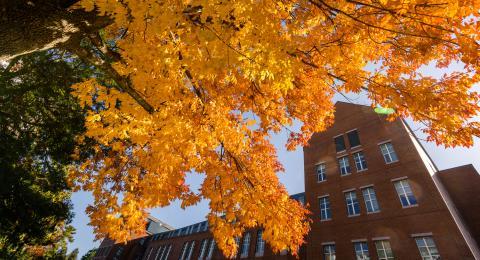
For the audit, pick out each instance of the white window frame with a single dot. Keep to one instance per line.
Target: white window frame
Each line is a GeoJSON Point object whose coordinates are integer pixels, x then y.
{"type": "Point", "coordinates": [323, 172]}
{"type": "Point", "coordinates": [430, 256]}
{"type": "Point", "coordinates": [369, 198]}
{"type": "Point", "coordinates": [387, 149]}
{"type": "Point", "coordinates": [325, 210]}
{"type": "Point", "coordinates": [349, 196]}
{"type": "Point", "coordinates": [401, 190]}
{"type": "Point", "coordinates": [360, 165]}
{"type": "Point", "coordinates": [380, 247]}
{"type": "Point", "coordinates": [344, 163]}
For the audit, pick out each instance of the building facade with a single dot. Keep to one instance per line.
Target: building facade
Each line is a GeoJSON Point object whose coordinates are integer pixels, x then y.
{"type": "Point", "coordinates": [374, 193]}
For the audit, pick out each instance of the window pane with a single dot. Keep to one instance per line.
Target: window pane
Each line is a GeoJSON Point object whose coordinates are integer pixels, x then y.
{"type": "Point", "coordinates": [353, 208]}
{"type": "Point", "coordinates": [384, 250]}
{"type": "Point", "coordinates": [360, 161]}
{"type": "Point", "coordinates": [344, 165]}
{"type": "Point", "coordinates": [353, 138]}
{"type": "Point", "coordinates": [321, 172]}
{"type": "Point", "coordinates": [260, 247]}
{"type": "Point", "coordinates": [361, 251]}
{"type": "Point", "coordinates": [325, 212]}
{"type": "Point", "coordinates": [245, 245]}
{"type": "Point", "coordinates": [340, 143]}
{"type": "Point", "coordinates": [329, 252]}
{"type": "Point", "coordinates": [203, 248]}
{"type": "Point", "coordinates": [211, 248]}
{"type": "Point", "coordinates": [405, 193]}
{"type": "Point", "coordinates": [190, 251]}
{"type": "Point", "coordinates": [388, 153]}
{"type": "Point", "coordinates": [370, 199]}
{"type": "Point", "coordinates": [427, 248]}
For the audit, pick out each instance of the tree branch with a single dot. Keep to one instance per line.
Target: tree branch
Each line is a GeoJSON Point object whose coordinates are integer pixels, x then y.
{"type": "Point", "coordinates": [123, 83]}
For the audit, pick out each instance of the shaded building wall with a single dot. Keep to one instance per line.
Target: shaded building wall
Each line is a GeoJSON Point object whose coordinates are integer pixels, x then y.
{"type": "Point", "coordinates": [463, 185]}
{"type": "Point", "coordinates": [134, 248]}
{"type": "Point", "coordinates": [178, 242]}
{"type": "Point", "coordinates": [393, 222]}
{"type": "Point", "coordinates": [152, 247]}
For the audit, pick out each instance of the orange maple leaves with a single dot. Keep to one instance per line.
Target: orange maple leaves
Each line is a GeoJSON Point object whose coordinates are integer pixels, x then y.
{"type": "Point", "coordinates": [223, 75]}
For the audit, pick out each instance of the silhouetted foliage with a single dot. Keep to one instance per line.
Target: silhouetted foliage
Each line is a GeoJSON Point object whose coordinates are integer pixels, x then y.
{"type": "Point", "coordinates": [39, 121]}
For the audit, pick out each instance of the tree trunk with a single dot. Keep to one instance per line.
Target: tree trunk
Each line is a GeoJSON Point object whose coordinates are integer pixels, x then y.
{"type": "Point", "coordinates": [29, 26]}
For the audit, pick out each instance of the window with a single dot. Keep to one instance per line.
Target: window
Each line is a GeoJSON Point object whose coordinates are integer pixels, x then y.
{"type": "Point", "coordinates": [325, 213]}
{"type": "Point", "coordinates": [353, 207]}
{"type": "Point", "coordinates": [260, 247]}
{"type": "Point", "coordinates": [245, 245]}
{"type": "Point", "coordinates": [190, 251]}
{"type": "Point", "coordinates": [119, 253]}
{"type": "Point", "coordinates": [405, 193]}
{"type": "Point", "coordinates": [184, 251]}
{"type": "Point", "coordinates": [361, 251]}
{"type": "Point", "coordinates": [301, 199]}
{"type": "Point", "coordinates": [321, 172]}
{"type": "Point", "coordinates": [168, 253]}
{"type": "Point", "coordinates": [384, 250]}
{"type": "Point", "coordinates": [339, 144]}
{"type": "Point", "coordinates": [428, 249]}
{"type": "Point", "coordinates": [344, 165]}
{"type": "Point", "coordinates": [353, 138]}
{"type": "Point", "coordinates": [203, 249]}
{"type": "Point", "coordinates": [149, 253]}
{"type": "Point", "coordinates": [329, 252]}
{"type": "Point", "coordinates": [205, 226]}
{"type": "Point", "coordinates": [211, 248]}
{"type": "Point", "coordinates": [388, 152]}
{"type": "Point", "coordinates": [360, 161]}
{"type": "Point", "coordinates": [370, 199]}
{"type": "Point", "coordinates": [161, 252]}
{"type": "Point", "coordinates": [199, 227]}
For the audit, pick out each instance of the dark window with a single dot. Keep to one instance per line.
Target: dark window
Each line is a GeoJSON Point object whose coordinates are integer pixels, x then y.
{"type": "Point", "coordinates": [353, 138]}
{"type": "Point", "coordinates": [340, 143]}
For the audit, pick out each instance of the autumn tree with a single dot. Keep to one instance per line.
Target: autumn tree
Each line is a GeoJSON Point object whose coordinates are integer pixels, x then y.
{"type": "Point", "coordinates": [197, 87]}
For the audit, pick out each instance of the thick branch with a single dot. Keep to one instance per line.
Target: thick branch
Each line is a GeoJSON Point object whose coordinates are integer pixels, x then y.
{"type": "Point", "coordinates": [36, 25]}
{"type": "Point", "coordinates": [123, 83]}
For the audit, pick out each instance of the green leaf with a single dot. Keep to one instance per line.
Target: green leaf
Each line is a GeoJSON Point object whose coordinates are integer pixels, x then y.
{"type": "Point", "coordinates": [384, 110]}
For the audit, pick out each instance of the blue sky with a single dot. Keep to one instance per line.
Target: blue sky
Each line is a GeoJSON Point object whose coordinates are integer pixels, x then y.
{"type": "Point", "coordinates": [292, 178]}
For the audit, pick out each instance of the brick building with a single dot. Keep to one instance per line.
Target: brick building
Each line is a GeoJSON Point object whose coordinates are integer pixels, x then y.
{"type": "Point", "coordinates": [374, 193]}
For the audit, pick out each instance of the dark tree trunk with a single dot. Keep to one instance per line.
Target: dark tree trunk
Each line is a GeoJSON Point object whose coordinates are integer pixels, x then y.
{"type": "Point", "coordinates": [28, 26]}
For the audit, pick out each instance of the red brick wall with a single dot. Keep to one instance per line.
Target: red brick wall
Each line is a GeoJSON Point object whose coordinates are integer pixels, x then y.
{"type": "Point", "coordinates": [431, 214]}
